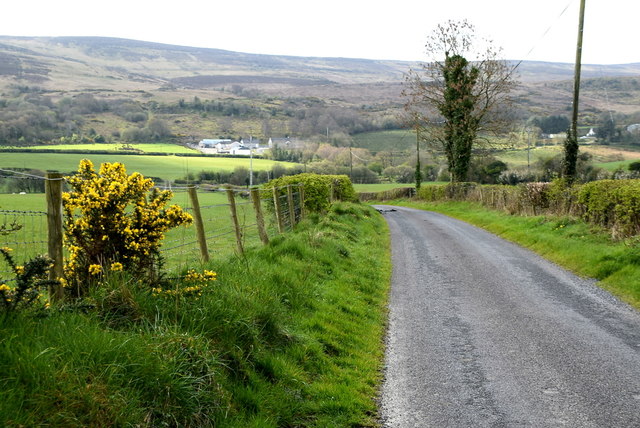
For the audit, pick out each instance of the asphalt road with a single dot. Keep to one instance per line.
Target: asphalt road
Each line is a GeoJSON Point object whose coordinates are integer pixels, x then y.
{"type": "Point", "coordinates": [483, 333]}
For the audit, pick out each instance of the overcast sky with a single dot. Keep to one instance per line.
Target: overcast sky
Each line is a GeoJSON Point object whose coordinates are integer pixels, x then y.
{"type": "Point", "coordinates": [525, 29]}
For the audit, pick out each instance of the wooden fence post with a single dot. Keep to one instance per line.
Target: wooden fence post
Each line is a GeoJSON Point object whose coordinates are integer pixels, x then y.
{"type": "Point", "coordinates": [278, 210]}
{"type": "Point", "coordinates": [53, 190]}
{"type": "Point", "coordinates": [234, 218]}
{"type": "Point", "coordinates": [292, 206]}
{"type": "Point", "coordinates": [257, 207]}
{"type": "Point", "coordinates": [197, 218]}
{"type": "Point", "coordinates": [303, 213]}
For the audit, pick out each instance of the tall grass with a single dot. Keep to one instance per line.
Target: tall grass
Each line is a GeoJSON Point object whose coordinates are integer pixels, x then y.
{"type": "Point", "coordinates": [289, 335]}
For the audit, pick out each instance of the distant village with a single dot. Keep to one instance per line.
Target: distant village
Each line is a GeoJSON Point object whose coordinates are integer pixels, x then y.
{"type": "Point", "coordinates": [244, 148]}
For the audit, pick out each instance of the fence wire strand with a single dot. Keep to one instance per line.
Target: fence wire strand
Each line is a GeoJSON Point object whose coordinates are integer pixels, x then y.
{"type": "Point", "coordinates": [181, 247]}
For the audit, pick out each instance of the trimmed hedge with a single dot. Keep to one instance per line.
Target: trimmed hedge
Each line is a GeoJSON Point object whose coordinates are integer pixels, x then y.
{"type": "Point", "coordinates": [612, 204]}
{"type": "Point", "coordinates": [317, 189]}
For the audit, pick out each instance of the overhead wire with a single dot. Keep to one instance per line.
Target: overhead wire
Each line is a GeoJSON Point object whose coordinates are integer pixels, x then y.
{"type": "Point", "coordinates": [544, 34]}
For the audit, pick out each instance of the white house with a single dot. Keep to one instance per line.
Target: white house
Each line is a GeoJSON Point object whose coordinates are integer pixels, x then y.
{"type": "Point", "coordinates": [240, 148]}
{"type": "Point", "coordinates": [633, 128]}
{"type": "Point", "coordinates": [211, 143]}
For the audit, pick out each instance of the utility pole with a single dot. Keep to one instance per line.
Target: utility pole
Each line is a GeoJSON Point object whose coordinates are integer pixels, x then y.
{"type": "Point", "coordinates": [418, 167]}
{"type": "Point", "coordinates": [250, 161]}
{"type": "Point", "coordinates": [571, 143]}
{"type": "Point", "coordinates": [350, 163]}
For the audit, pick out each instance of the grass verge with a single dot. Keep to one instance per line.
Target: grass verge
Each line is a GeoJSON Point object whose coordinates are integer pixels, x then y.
{"type": "Point", "coordinates": [569, 242]}
{"type": "Point", "coordinates": [289, 335]}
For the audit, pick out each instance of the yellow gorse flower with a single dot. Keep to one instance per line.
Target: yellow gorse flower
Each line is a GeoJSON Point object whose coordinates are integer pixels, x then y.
{"type": "Point", "coordinates": [193, 285]}
{"type": "Point", "coordinates": [95, 269]}
{"type": "Point", "coordinates": [110, 215]}
{"type": "Point", "coordinates": [117, 266]}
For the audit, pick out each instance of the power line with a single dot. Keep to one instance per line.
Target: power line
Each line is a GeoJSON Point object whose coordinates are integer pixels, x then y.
{"type": "Point", "coordinates": [553, 24]}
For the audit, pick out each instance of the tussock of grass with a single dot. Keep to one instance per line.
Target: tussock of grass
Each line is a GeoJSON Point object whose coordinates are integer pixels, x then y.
{"type": "Point", "coordinates": [290, 335]}
{"type": "Point", "coordinates": [586, 250]}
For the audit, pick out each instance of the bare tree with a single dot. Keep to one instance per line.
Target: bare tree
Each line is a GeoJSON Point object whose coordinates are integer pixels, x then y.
{"type": "Point", "coordinates": [453, 101]}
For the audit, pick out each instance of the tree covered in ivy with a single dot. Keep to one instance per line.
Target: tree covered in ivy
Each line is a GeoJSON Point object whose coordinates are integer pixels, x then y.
{"type": "Point", "coordinates": [455, 102]}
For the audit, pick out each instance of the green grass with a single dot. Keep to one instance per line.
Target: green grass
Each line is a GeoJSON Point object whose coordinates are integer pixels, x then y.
{"type": "Point", "coordinates": [28, 202]}
{"type": "Point", "coordinates": [165, 167]}
{"type": "Point", "coordinates": [149, 147]}
{"type": "Point", "coordinates": [396, 140]}
{"type": "Point", "coordinates": [612, 166]}
{"type": "Point", "coordinates": [515, 158]}
{"type": "Point", "coordinates": [179, 248]}
{"type": "Point", "coordinates": [380, 186]}
{"type": "Point", "coordinates": [583, 249]}
{"type": "Point", "coordinates": [290, 335]}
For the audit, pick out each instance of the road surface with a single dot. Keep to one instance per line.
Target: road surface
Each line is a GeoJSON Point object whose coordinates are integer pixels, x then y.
{"type": "Point", "coordinates": [483, 333]}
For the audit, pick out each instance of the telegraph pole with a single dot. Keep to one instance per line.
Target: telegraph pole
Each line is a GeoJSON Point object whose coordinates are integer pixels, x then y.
{"type": "Point", "coordinates": [571, 143]}
{"type": "Point", "coordinates": [418, 167]}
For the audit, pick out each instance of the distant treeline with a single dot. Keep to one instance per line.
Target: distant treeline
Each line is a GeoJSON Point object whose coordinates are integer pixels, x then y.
{"type": "Point", "coordinates": [29, 115]}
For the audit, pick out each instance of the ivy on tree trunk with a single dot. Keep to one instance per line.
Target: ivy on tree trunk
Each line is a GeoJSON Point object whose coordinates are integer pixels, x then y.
{"type": "Point", "coordinates": [457, 110]}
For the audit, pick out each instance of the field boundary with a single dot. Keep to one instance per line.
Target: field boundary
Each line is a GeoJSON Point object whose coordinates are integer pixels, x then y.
{"type": "Point", "coordinates": [244, 217]}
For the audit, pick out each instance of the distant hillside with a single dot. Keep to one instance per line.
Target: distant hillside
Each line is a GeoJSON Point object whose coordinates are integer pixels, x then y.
{"type": "Point", "coordinates": [45, 61]}
{"type": "Point", "coordinates": [202, 92]}
{"type": "Point", "coordinates": [107, 62]}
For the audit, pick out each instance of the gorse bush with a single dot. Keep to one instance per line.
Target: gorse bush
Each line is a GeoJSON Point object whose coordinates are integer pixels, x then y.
{"type": "Point", "coordinates": [114, 222]}
{"type": "Point", "coordinates": [29, 285]}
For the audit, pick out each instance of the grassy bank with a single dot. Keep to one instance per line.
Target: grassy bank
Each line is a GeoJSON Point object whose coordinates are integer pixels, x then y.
{"type": "Point", "coordinates": [571, 243]}
{"type": "Point", "coordinates": [289, 335]}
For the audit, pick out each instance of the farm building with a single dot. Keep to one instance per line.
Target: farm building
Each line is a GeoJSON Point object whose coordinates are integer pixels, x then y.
{"type": "Point", "coordinates": [220, 146]}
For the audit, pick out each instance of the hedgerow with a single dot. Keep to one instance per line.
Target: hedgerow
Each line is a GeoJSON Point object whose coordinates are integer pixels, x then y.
{"type": "Point", "coordinates": [318, 188]}
{"type": "Point", "coordinates": [612, 204]}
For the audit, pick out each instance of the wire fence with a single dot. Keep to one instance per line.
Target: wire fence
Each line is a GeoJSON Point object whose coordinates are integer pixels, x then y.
{"type": "Point", "coordinates": [227, 221]}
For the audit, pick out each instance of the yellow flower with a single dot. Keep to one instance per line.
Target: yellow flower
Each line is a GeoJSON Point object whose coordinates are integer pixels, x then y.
{"type": "Point", "coordinates": [4, 287]}
{"type": "Point", "coordinates": [19, 270]}
{"type": "Point", "coordinates": [116, 266]}
{"type": "Point", "coordinates": [95, 269]}
{"type": "Point", "coordinates": [7, 249]}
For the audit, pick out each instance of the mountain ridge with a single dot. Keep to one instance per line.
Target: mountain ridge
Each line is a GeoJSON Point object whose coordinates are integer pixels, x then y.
{"type": "Point", "coordinates": [166, 61]}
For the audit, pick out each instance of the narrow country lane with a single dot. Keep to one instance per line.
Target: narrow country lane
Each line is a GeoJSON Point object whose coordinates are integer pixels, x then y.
{"type": "Point", "coordinates": [483, 333]}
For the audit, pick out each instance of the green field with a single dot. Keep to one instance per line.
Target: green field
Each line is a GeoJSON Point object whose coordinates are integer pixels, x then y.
{"type": "Point", "coordinates": [380, 186]}
{"type": "Point", "coordinates": [515, 158]}
{"type": "Point", "coordinates": [179, 248]}
{"type": "Point", "coordinates": [612, 166]}
{"type": "Point", "coordinates": [165, 167]}
{"type": "Point", "coordinates": [28, 202]}
{"type": "Point", "coordinates": [149, 147]}
{"type": "Point", "coordinates": [396, 140]}
{"type": "Point", "coordinates": [37, 202]}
